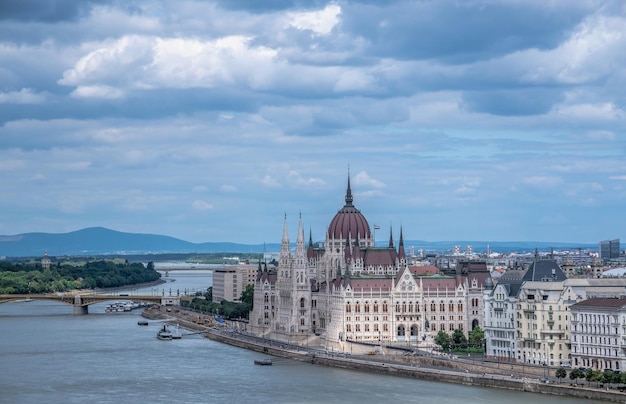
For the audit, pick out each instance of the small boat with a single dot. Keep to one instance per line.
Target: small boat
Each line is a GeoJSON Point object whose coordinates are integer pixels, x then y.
{"type": "Point", "coordinates": [142, 322]}
{"type": "Point", "coordinates": [263, 362]}
{"type": "Point", "coordinates": [164, 334]}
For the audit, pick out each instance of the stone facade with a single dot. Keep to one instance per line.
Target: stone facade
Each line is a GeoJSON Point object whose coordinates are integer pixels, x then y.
{"type": "Point", "coordinates": [348, 289]}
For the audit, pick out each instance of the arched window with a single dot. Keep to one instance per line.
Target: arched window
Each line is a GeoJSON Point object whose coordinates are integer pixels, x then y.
{"type": "Point", "coordinates": [367, 307]}
{"type": "Point", "coordinates": [375, 307]}
{"type": "Point", "coordinates": [302, 305]}
{"type": "Point", "coordinates": [348, 308]}
{"type": "Point", "coordinates": [385, 307]}
{"type": "Point", "coordinates": [401, 331]}
{"type": "Point", "coordinates": [357, 307]}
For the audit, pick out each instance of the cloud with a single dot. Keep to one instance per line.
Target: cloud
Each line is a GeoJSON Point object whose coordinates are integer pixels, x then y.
{"type": "Point", "coordinates": [321, 22]}
{"type": "Point", "coordinates": [24, 96]}
{"type": "Point", "coordinates": [201, 205]}
{"type": "Point", "coordinates": [363, 179]}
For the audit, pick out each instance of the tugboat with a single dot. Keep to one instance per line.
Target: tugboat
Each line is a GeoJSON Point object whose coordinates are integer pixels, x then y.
{"type": "Point", "coordinates": [164, 334]}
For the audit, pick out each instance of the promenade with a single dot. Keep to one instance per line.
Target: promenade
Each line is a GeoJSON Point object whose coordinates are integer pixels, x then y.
{"type": "Point", "coordinates": [436, 368]}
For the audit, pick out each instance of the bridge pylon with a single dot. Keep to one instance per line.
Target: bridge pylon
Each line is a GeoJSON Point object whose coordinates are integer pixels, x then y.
{"type": "Point", "coordinates": [78, 306]}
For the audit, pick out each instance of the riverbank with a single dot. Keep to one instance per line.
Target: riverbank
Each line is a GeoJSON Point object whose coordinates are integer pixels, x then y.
{"type": "Point", "coordinates": [423, 368]}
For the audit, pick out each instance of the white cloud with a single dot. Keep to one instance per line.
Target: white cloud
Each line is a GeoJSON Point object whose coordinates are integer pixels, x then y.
{"type": "Point", "coordinates": [106, 92]}
{"type": "Point", "coordinates": [201, 205]}
{"type": "Point", "coordinates": [24, 96]}
{"type": "Point", "coordinates": [320, 22]}
{"type": "Point", "coordinates": [363, 179]}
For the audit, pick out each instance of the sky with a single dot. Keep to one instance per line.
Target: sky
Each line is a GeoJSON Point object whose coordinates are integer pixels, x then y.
{"type": "Point", "coordinates": [212, 120]}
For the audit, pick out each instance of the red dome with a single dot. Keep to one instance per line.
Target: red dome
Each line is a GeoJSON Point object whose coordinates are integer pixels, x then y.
{"type": "Point", "coordinates": [349, 221]}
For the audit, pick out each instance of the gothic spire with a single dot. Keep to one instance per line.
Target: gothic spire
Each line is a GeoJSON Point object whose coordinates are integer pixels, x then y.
{"type": "Point", "coordinates": [348, 192]}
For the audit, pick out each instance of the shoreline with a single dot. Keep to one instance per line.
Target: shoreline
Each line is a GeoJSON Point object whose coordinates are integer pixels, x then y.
{"type": "Point", "coordinates": [396, 365]}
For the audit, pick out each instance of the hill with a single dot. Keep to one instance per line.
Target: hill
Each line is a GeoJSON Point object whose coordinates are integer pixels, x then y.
{"type": "Point", "coordinates": [102, 241]}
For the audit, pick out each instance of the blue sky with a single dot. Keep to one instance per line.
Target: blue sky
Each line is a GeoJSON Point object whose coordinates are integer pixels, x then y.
{"type": "Point", "coordinates": [211, 120]}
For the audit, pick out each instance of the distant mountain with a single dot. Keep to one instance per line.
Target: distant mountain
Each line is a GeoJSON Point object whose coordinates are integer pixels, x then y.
{"type": "Point", "coordinates": [102, 241]}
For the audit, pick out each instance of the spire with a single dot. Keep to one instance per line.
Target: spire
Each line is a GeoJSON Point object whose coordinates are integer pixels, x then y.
{"type": "Point", "coordinates": [401, 252]}
{"type": "Point", "coordinates": [390, 237]}
{"type": "Point", "coordinates": [348, 192]}
{"type": "Point", "coordinates": [310, 238]}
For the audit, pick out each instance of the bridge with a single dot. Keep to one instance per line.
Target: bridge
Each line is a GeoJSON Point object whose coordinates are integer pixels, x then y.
{"type": "Point", "coordinates": [81, 301]}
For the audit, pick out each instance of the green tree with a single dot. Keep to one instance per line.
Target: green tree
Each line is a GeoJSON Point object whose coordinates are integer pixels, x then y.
{"type": "Point", "coordinates": [607, 376]}
{"type": "Point", "coordinates": [443, 340]}
{"type": "Point", "coordinates": [477, 337]}
{"type": "Point", "coordinates": [560, 373]}
{"type": "Point", "coordinates": [459, 339]}
{"type": "Point", "coordinates": [576, 374]}
{"type": "Point", "coordinates": [247, 296]}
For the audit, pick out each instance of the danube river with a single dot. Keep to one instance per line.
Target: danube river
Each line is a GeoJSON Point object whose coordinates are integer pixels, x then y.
{"type": "Point", "coordinates": [49, 355]}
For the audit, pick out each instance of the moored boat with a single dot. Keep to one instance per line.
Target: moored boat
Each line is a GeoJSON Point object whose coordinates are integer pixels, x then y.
{"type": "Point", "coordinates": [142, 322]}
{"type": "Point", "coordinates": [164, 334]}
{"type": "Point", "coordinates": [263, 362]}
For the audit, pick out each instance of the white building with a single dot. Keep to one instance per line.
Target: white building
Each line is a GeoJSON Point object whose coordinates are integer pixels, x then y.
{"type": "Point", "coordinates": [348, 289]}
{"type": "Point", "coordinates": [598, 329]}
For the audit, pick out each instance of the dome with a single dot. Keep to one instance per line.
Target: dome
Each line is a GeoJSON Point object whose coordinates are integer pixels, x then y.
{"type": "Point", "coordinates": [349, 221]}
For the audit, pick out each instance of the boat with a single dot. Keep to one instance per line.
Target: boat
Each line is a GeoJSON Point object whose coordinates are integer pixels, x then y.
{"type": "Point", "coordinates": [142, 322]}
{"type": "Point", "coordinates": [164, 334]}
{"type": "Point", "coordinates": [263, 362]}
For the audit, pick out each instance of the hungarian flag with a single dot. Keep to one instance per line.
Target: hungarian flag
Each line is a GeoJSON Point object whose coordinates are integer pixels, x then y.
{"type": "Point", "coordinates": [376, 227]}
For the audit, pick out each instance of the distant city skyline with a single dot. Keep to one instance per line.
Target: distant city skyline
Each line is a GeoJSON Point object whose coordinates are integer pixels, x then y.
{"type": "Point", "coordinates": [211, 120]}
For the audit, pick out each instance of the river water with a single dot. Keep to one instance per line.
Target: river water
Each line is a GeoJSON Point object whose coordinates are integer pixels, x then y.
{"type": "Point", "coordinates": [49, 355]}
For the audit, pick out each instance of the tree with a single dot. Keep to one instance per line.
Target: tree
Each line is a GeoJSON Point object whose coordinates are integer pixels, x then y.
{"type": "Point", "coordinates": [459, 339]}
{"type": "Point", "coordinates": [247, 296]}
{"type": "Point", "coordinates": [443, 340]}
{"type": "Point", "coordinates": [576, 374]}
{"type": "Point", "coordinates": [560, 373]}
{"type": "Point", "coordinates": [477, 337]}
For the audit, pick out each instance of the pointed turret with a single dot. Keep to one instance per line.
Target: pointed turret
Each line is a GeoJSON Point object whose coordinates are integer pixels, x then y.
{"type": "Point", "coordinates": [401, 253]}
{"type": "Point", "coordinates": [348, 193]}
{"type": "Point", "coordinates": [285, 255]}
{"type": "Point", "coordinates": [390, 237]}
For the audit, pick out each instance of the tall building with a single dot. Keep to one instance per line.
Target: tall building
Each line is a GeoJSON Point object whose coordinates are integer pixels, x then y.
{"type": "Point", "coordinates": [348, 289]}
{"type": "Point", "coordinates": [231, 280]}
{"type": "Point", "coordinates": [608, 249]}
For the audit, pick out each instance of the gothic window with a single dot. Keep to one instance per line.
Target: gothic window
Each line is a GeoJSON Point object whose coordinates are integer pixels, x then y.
{"type": "Point", "coordinates": [433, 307]}
{"type": "Point", "coordinates": [367, 327]}
{"type": "Point", "coordinates": [385, 307]}
{"type": "Point", "coordinates": [451, 306]}
{"type": "Point", "coordinates": [375, 307]}
{"type": "Point", "coordinates": [375, 327]}
{"type": "Point", "coordinates": [301, 321]}
{"type": "Point", "coordinates": [442, 306]}
{"type": "Point", "coordinates": [357, 307]}
{"type": "Point", "coordinates": [348, 328]}
{"type": "Point", "coordinates": [348, 308]}
{"type": "Point", "coordinates": [404, 307]}
{"type": "Point", "coordinates": [302, 303]}
{"type": "Point", "coordinates": [460, 305]}
{"type": "Point", "coordinates": [357, 327]}
{"type": "Point", "coordinates": [367, 307]}
{"type": "Point", "coordinates": [385, 327]}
